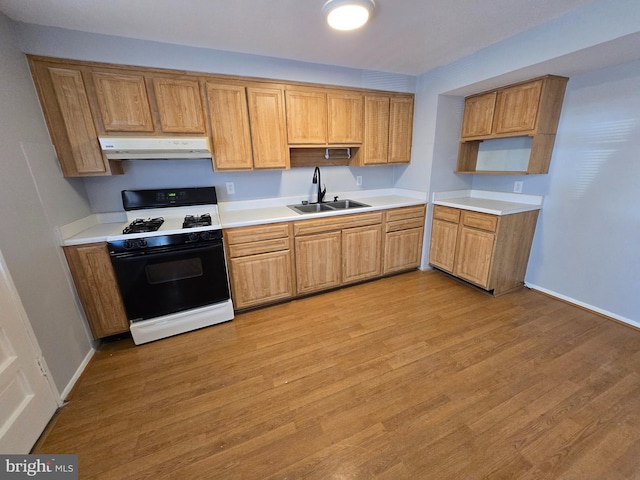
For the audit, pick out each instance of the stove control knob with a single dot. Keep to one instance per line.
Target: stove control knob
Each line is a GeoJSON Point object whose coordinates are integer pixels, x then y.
{"type": "Point", "coordinates": [194, 237]}
{"type": "Point", "coordinates": [142, 243]}
{"type": "Point", "coordinates": [205, 235]}
{"type": "Point", "coordinates": [128, 244]}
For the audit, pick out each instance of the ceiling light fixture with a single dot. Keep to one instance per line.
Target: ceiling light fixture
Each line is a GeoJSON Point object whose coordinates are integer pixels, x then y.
{"type": "Point", "coordinates": [348, 14]}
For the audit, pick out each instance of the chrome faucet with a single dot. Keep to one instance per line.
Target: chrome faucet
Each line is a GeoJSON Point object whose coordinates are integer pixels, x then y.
{"type": "Point", "coordinates": [316, 179]}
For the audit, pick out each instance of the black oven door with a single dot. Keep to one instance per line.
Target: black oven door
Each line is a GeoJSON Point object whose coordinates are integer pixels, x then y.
{"type": "Point", "coordinates": [179, 278]}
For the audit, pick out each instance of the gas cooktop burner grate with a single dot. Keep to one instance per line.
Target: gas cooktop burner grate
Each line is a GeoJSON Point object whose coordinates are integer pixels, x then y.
{"type": "Point", "coordinates": [191, 221]}
{"type": "Point", "coordinates": [140, 225]}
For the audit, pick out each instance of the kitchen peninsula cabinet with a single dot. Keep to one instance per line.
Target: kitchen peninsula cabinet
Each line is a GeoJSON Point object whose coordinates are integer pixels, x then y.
{"type": "Point", "coordinates": [490, 251]}
{"type": "Point", "coordinates": [388, 130]}
{"type": "Point", "coordinates": [527, 109]}
{"type": "Point", "coordinates": [97, 288]}
{"type": "Point", "coordinates": [260, 265]}
{"type": "Point", "coordinates": [334, 251]}
{"type": "Point", "coordinates": [404, 231]}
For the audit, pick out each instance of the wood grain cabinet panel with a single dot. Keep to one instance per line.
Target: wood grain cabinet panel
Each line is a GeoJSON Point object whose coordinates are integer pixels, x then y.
{"type": "Point", "coordinates": [517, 108]}
{"type": "Point", "coordinates": [478, 115]}
{"type": "Point", "coordinates": [306, 116]}
{"type": "Point", "coordinates": [344, 113]}
{"type": "Point", "coordinates": [361, 257]}
{"type": "Point", "coordinates": [442, 250]}
{"type": "Point", "coordinates": [179, 105]}
{"type": "Point", "coordinates": [85, 156]}
{"type": "Point", "coordinates": [474, 255]}
{"type": "Point", "coordinates": [400, 129]}
{"type": "Point", "coordinates": [231, 136]}
{"type": "Point", "coordinates": [97, 288]}
{"type": "Point", "coordinates": [318, 261]}
{"type": "Point", "coordinates": [123, 102]}
{"type": "Point", "coordinates": [268, 127]}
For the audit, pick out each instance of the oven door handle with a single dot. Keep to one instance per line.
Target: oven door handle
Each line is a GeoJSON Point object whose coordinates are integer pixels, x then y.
{"type": "Point", "coordinates": [165, 251]}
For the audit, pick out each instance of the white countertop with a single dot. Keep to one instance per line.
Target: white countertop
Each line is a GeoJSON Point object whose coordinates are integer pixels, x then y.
{"type": "Point", "coordinates": [98, 227]}
{"type": "Point", "coordinates": [256, 212]}
{"type": "Point", "coordinates": [495, 203]}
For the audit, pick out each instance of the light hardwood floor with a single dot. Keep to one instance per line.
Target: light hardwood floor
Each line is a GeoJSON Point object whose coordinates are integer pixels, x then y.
{"type": "Point", "coordinates": [411, 377]}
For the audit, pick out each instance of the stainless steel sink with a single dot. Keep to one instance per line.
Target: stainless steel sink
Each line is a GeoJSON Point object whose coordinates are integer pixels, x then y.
{"type": "Point", "coordinates": [341, 204]}
{"type": "Point", "coordinates": [326, 207]}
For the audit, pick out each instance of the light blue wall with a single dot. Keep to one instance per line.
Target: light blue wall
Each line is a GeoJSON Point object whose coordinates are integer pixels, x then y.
{"type": "Point", "coordinates": [583, 247]}
{"type": "Point", "coordinates": [35, 200]}
{"type": "Point", "coordinates": [586, 243]}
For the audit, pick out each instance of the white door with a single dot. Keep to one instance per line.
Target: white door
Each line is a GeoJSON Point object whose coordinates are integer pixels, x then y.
{"type": "Point", "coordinates": [27, 399]}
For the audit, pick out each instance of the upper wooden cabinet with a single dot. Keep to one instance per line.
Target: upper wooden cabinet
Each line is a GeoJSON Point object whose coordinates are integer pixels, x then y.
{"type": "Point", "coordinates": [252, 123]}
{"type": "Point", "coordinates": [247, 127]}
{"type": "Point", "coordinates": [320, 117]}
{"type": "Point", "coordinates": [123, 103]}
{"type": "Point", "coordinates": [388, 129]}
{"type": "Point", "coordinates": [530, 109]}
{"type": "Point", "coordinates": [66, 105]}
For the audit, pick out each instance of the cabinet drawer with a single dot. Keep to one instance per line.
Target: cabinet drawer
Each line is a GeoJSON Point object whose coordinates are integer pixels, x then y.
{"type": "Point", "coordinates": [482, 221]}
{"type": "Point", "coordinates": [405, 224]}
{"type": "Point", "coordinates": [307, 227]}
{"type": "Point", "coordinates": [448, 214]}
{"type": "Point", "coordinates": [254, 248]}
{"type": "Point", "coordinates": [255, 234]}
{"type": "Point", "coordinates": [405, 212]}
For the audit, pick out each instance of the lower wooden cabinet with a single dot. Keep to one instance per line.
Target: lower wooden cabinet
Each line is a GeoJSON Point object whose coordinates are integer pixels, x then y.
{"type": "Point", "coordinates": [97, 288]}
{"type": "Point", "coordinates": [260, 264]}
{"type": "Point", "coordinates": [275, 262]}
{"type": "Point", "coordinates": [403, 240]}
{"type": "Point", "coordinates": [490, 251]}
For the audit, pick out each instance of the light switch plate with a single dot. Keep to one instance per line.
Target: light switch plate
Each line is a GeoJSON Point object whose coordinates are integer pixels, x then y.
{"type": "Point", "coordinates": [359, 181]}
{"type": "Point", "coordinates": [231, 188]}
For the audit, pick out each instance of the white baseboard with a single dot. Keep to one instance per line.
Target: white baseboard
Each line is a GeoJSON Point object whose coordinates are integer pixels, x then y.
{"type": "Point", "coordinates": [76, 376]}
{"type": "Point", "coordinates": [601, 311]}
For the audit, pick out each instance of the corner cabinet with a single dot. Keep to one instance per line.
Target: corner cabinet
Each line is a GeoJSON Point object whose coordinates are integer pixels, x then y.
{"type": "Point", "coordinates": [97, 288]}
{"type": "Point", "coordinates": [528, 109]}
{"type": "Point", "coordinates": [489, 251]}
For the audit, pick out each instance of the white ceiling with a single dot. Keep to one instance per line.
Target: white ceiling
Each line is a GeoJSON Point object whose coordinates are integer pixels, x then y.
{"type": "Point", "coordinates": [404, 36]}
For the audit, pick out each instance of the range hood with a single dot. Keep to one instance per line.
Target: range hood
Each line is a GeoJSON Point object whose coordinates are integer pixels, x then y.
{"type": "Point", "coordinates": [154, 148]}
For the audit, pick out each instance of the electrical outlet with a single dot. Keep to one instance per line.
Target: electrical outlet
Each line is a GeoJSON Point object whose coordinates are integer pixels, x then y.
{"type": "Point", "coordinates": [359, 181]}
{"type": "Point", "coordinates": [517, 187]}
{"type": "Point", "coordinates": [231, 188]}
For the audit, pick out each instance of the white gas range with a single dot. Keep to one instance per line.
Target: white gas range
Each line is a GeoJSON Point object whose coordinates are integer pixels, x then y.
{"type": "Point", "coordinates": [169, 262]}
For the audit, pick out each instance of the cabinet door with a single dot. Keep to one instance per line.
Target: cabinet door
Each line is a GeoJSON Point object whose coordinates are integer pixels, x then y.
{"type": "Point", "coordinates": [403, 250]}
{"type": "Point", "coordinates": [97, 288]}
{"type": "Point", "coordinates": [318, 262]}
{"type": "Point", "coordinates": [360, 253]}
{"type": "Point", "coordinates": [179, 105]}
{"type": "Point", "coordinates": [376, 130]}
{"type": "Point", "coordinates": [517, 108]}
{"type": "Point", "coordinates": [478, 115]}
{"type": "Point", "coordinates": [123, 102]}
{"type": "Point", "coordinates": [442, 250]}
{"type": "Point", "coordinates": [474, 255]}
{"type": "Point", "coordinates": [345, 117]}
{"type": "Point", "coordinates": [268, 127]}
{"type": "Point", "coordinates": [259, 279]}
{"type": "Point", "coordinates": [306, 117]}
{"type": "Point", "coordinates": [400, 129]}
{"type": "Point", "coordinates": [80, 153]}
{"type": "Point", "coordinates": [229, 127]}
